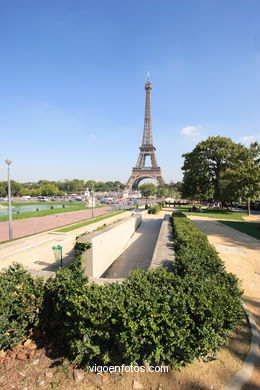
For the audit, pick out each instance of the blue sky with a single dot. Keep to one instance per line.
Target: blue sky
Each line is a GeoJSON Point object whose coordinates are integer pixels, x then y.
{"type": "Point", "coordinates": [72, 76]}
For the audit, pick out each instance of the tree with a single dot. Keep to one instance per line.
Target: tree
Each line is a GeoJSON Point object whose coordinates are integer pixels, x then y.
{"type": "Point", "coordinates": [175, 189]}
{"type": "Point", "coordinates": [204, 168]}
{"type": "Point", "coordinates": [148, 189]}
{"type": "Point", "coordinates": [29, 191]}
{"type": "Point", "coordinates": [3, 191]}
{"type": "Point", "coordinates": [49, 190]}
{"type": "Point", "coordinates": [91, 184]}
{"type": "Point", "coordinates": [163, 191]}
{"type": "Point", "coordinates": [15, 188]}
{"type": "Point", "coordinates": [244, 178]}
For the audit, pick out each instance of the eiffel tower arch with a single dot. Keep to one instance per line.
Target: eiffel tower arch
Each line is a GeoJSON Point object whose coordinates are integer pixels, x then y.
{"type": "Point", "coordinates": [147, 149]}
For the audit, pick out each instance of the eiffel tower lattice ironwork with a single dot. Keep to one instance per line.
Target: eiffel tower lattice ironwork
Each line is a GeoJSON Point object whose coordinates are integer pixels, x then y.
{"type": "Point", "coordinates": [147, 149]}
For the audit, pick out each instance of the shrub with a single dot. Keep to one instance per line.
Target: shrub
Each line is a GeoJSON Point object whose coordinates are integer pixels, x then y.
{"type": "Point", "coordinates": [80, 247]}
{"type": "Point", "coordinates": [156, 316]}
{"type": "Point", "coordinates": [20, 303]}
{"type": "Point", "coordinates": [154, 209]}
{"type": "Point", "coordinates": [197, 260]}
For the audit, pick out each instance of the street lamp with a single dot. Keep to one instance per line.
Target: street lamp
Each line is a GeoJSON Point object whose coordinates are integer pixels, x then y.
{"type": "Point", "coordinates": [9, 162]}
{"type": "Point", "coordinates": [92, 201]}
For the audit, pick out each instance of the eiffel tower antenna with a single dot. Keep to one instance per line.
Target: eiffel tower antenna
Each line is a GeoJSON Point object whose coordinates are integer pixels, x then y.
{"type": "Point", "coordinates": [147, 149]}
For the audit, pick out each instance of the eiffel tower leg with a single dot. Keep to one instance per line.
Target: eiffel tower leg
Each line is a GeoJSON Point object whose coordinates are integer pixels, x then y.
{"type": "Point", "coordinates": [153, 160]}
{"type": "Point", "coordinates": [160, 180]}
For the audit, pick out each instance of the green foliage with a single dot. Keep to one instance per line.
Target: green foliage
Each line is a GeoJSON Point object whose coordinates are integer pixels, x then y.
{"type": "Point", "coordinates": [154, 315]}
{"type": "Point", "coordinates": [55, 316]}
{"type": "Point", "coordinates": [208, 168]}
{"type": "Point", "coordinates": [148, 189]}
{"type": "Point", "coordinates": [163, 191]}
{"type": "Point", "coordinates": [20, 303]}
{"type": "Point", "coordinates": [243, 180]}
{"type": "Point", "coordinates": [154, 209]}
{"type": "Point", "coordinates": [107, 186]}
{"type": "Point", "coordinates": [15, 188]}
{"type": "Point", "coordinates": [52, 188]}
{"type": "Point", "coordinates": [49, 190]}
{"type": "Point", "coordinates": [80, 247]}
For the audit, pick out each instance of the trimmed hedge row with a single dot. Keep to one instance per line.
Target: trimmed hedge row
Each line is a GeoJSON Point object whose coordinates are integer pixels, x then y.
{"type": "Point", "coordinates": [194, 253]}
{"type": "Point", "coordinates": [198, 261]}
{"type": "Point", "coordinates": [155, 316]}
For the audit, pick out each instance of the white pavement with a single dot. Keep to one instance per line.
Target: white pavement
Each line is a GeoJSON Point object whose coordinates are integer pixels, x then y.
{"type": "Point", "coordinates": [35, 252]}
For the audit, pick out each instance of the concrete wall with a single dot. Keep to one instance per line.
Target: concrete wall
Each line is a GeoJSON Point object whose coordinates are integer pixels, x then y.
{"type": "Point", "coordinates": [108, 244]}
{"type": "Point", "coordinates": [164, 254]}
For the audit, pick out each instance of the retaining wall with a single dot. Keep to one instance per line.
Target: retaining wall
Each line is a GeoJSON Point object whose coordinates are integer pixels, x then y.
{"type": "Point", "coordinates": [107, 245]}
{"type": "Point", "coordinates": [164, 254]}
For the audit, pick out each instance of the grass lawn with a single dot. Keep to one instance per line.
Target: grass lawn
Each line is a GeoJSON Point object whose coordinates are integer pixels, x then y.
{"type": "Point", "coordinates": [212, 214]}
{"type": "Point", "coordinates": [250, 228]}
{"type": "Point", "coordinates": [73, 206]}
{"type": "Point", "coordinates": [89, 221]}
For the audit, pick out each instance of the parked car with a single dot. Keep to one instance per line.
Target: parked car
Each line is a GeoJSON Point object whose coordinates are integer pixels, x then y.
{"type": "Point", "coordinates": [43, 199]}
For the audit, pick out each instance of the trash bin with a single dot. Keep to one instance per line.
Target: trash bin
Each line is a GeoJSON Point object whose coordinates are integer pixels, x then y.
{"type": "Point", "coordinates": [57, 251]}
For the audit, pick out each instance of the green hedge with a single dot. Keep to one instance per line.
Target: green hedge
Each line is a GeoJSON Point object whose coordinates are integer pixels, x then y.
{"type": "Point", "coordinates": [20, 303]}
{"type": "Point", "coordinates": [197, 260]}
{"type": "Point", "coordinates": [155, 209]}
{"type": "Point", "coordinates": [154, 315]}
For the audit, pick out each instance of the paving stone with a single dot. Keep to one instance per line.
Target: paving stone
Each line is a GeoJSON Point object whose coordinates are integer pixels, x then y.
{"type": "Point", "coordinates": [78, 375]}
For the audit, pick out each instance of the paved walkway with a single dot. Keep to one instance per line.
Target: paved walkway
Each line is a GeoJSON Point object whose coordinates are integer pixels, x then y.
{"type": "Point", "coordinates": [35, 252]}
{"type": "Point", "coordinates": [241, 254]}
{"type": "Point", "coordinates": [25, 227]}
{"type": "Point", "coordinates": [139, 251]}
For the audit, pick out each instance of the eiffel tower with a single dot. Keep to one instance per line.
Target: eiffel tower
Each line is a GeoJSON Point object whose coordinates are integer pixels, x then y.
{"type": "Point", "coordinates": [147, 149]}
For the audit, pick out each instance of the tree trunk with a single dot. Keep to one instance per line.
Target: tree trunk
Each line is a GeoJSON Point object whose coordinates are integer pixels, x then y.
{"type": "Point", "coordinates": [248, 207]}
{"type": "Point", "coordinates": [217, 190]}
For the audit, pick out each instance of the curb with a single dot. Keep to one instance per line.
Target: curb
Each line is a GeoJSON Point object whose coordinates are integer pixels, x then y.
{"type": "Point", "coordinates": [244, 374]}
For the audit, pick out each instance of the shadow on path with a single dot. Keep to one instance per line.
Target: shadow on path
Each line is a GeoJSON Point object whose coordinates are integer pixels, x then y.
{"type": "Point", "coordinates": [232, 237]}
{"type": "Point", "coordinates": [139, 253]}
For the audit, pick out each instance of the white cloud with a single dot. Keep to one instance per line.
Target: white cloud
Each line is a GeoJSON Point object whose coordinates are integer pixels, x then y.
{"type": "Point", "coordinates": [247, 139]}
{"type": "Point", "coordinates": [191, 130]}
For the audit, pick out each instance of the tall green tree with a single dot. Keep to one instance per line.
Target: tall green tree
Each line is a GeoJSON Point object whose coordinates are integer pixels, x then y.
{"type": "Point", "coordinates": [49, 190]}
{"type": "Point", "coordinates": [148, 189]}
{"type": "Point", "coordinates": [244, 178]}
{"type": "Point", "coordinates": [163, 191]}
{"type": "Point", "coordinates": [205, 167]}
{"type": "Point", "coordinates": [15, 188]}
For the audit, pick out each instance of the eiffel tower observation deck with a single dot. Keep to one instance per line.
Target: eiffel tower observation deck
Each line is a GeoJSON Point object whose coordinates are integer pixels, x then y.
{"type": "Point", "coordinates": [147, 149]}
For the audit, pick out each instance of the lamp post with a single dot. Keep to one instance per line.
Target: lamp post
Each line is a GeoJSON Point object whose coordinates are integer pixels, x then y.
{"type": "Point", "coordinates": [92, 201]}
{"type": "Point", "coordinates": [9, 162]}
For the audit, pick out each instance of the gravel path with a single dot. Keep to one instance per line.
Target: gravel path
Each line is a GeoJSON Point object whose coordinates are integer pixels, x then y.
{"type": "Point", "coordinates": [241, 254]}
